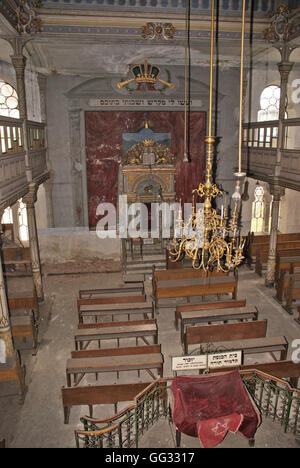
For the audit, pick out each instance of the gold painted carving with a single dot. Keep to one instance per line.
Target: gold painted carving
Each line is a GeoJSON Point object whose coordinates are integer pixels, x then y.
{"type": "Point", "coordinates": [163, 155]}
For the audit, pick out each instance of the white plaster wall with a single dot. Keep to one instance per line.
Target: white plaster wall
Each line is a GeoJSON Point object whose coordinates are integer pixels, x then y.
{"type": "Point", "coordinates": [59, 245]}
{"type": "Point", "coordinates": [40, 208]}
{"type": "Point", "coordinates": [58, 138]}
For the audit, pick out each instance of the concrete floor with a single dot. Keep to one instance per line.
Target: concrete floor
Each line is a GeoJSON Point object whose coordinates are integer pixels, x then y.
{"type": "Point", "coordinates": [38, 423]}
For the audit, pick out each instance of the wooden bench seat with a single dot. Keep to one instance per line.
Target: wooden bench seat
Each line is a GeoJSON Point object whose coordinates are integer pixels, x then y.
{"type": "Point", "coordinates": [254, 241]}
{"type": "Point", "coordinates": [224, 332]}
{"type": "Point", "coordinates": [251, 346]}
{"type": "Point", "coordinates": [115, 330]}
{"type": "Point", "coordinates": [220, 315]}
{"type": "Point", "coordinates": [212, 288]}
{"type": "Point", "coordinates": [123, 351]}
{"type": "Point", "coordinates": [207, 306]}
{"type": "Point", "coordinates": [24, 333]}
{"type": "Point", "coordinates": [282, 284]}
{"type": "Point", "coordinates": [125, 289]}
{"type": "Point", "coordinates": [292, 293]}
{"type": "Point", "coordinates": [134, 278]}
{"type": "Point", "coordinates": [99, 311]}
{"type": "Point", "coordinates": [24, 305]}
{"type": "Point", "coordinates": [99, 395]}
{"type": "Point", "coordinates": [282, 250]}
{"type": "Point", "coordinates": [112, 299]}
{"type": "Point", "coordinates": [81, 366]}
{"type": "Point", "coordinates": [15, 257]}
{"type": "Point", "coordinates": [13, 370]}
{"type": "Point", "coordinates": [288, 260]}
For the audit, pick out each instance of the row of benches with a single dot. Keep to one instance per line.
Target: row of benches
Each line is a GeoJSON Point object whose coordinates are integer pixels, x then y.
{"type": "Point", "coordinates": [94, 306]}
{"type": "Point", "coordinates": [259, 245]}
{"type": "Point", "coordinates": [287, 266]}
{"type": "Point", "coordinates": [187, 283]}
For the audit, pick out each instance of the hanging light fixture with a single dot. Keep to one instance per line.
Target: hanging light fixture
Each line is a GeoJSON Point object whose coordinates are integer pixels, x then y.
{"type": "Point", "coordinates": [211, 240]}
{"type": "Point", "coordinates": [186, 80]}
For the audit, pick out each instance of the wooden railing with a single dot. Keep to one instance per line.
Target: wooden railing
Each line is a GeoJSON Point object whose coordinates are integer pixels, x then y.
{"type": "Point", "coordinates": [16, 162]}
{"type": "Point", "coordinates": [260, 144]}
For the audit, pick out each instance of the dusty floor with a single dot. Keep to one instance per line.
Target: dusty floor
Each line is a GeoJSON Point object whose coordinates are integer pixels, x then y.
{"type": "Point", "coordinates": [38, 423]}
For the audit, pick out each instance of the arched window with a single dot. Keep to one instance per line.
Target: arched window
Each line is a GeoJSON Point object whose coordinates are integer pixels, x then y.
{"type": "Point", "coordinates": [269, 104]}
{"type": "Point", "coordinates": [258, 210]}
{"type": "Point", "coordinates": [8, 100]}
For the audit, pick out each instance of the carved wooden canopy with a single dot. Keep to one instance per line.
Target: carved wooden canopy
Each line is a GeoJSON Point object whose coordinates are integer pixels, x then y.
{"type": "Point", "coordinates": [149, 152]}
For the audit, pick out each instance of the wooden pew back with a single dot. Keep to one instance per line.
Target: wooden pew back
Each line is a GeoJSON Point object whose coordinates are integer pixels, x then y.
{"type": "Point", "coordinates": [224, 332]}
{"type": "Point", "coordinates": [99, 395]}
{"type": "Point", "coordinates": [16, 255]}
{"type": "Point", "coordinates": [114, 299]}
{"type": "Point", "coordinates": [207, 306]}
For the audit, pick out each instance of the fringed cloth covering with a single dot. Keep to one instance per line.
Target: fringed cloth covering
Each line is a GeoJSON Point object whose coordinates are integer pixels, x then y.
{"type": "Point", "coordinates": [209, 406]}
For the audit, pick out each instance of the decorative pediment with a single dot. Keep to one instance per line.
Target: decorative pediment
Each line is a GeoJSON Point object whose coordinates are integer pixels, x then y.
{"type": "Point", "coordinates": [149, 153]}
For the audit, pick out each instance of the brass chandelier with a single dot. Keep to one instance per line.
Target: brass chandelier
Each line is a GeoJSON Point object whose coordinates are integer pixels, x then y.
{"type": "Point", "coordinates": [212, 240]}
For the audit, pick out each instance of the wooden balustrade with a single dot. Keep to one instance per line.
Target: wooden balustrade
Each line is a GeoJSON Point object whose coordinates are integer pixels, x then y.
{"type": "Point", "coordinates": [15, 159]}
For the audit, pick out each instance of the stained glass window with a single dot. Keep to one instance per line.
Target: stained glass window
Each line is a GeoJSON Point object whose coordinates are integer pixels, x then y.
{"type": "Point", "coordinates": [8, 100]}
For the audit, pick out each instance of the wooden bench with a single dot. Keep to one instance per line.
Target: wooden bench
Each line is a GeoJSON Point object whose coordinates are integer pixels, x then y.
{"type": "Point", "coordinates": [255, 241]}
{"type": "Point", "coordinates": [99, 395]}
{"type": "Point", "coordinates": [251, 346]}
{"type": "Point", "coordinates": [124, 351]}
{"type": "Point", "coordinates": [181, 274]}
{"type": "Point", "coordinates": [24, 333]}
{"type": "Point", "coordinates": [281, 369]}
{"type": "Point", "coordinates": [287, 260]}
{"type": "Point", "coordinates": [292, 293]}
{"type": "Point", "coordinates": [282, 250]}
{"type": "Point", "coordinates": [24, 305]}
{"type": "Point", "coordinates": [134, 278]}
{"type": "Point", "coordinates": [207, 306]}
{"type": "Point", "coordinates": [298, 318]}
{"type": "Point", "coordinates": [115, 330]}
{"type": "Point", "coordinates": [221, 315]}
{"type": "Point", "coordinates": [282, 284]}
{"type": "Point", "coordinates": [79, 367]}
{"type": "Point", "coordinates": [14, 258]}
{"type": "Point", "coordinates": [13, 370]}
{"type": "Point", "coordinates": [125, 289]}
{"type": "Point", "coordinates": [114, 299]}
{"type": "Point", "coordinates": [112, 310]}
{"type": "Point", "coordinates": [224, 332]}
{"type": "Point", "coordinates": [212, 286]}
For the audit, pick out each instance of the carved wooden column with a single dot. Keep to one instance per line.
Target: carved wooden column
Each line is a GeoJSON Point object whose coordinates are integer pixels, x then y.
{"type": "Point", "coordinates": [77, 166]}
{"type": "Point", "coordinates": [29, 199]}
{"type": "Point", "coordinates": [284, 68]}
{"type": "Point", "coordinates": [277, 193]}
{"type": "Point", "coordinates": [19, 64]}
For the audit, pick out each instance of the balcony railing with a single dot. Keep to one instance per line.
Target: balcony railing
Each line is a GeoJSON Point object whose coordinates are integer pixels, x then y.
{"type": "Point", "coordinates": [274, 397]}
{"type": "Point", "coordinates": [260, 144]}
{"type": "Point", "coordinates": [15, 160]}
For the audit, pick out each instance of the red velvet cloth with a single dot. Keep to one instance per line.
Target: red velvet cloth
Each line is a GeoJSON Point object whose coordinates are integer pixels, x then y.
{"type": "Point", "coordinates": [209, 406]}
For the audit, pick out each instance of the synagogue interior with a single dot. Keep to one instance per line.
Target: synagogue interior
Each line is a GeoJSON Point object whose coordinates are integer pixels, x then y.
{"type": "Point", "coordinates": [150, 226]}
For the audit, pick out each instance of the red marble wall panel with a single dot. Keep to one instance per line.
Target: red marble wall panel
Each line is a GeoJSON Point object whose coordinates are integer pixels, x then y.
{"type": "Point", "coordinates": [104, 132]}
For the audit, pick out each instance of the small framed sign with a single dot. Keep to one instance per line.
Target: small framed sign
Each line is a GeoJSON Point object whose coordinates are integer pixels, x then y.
{"type": "Point", "coordinates": [207, 361]}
